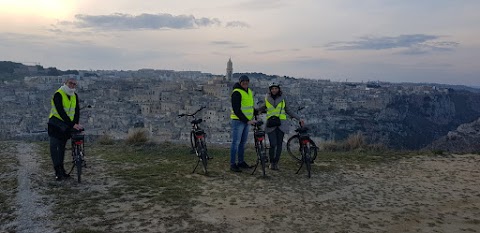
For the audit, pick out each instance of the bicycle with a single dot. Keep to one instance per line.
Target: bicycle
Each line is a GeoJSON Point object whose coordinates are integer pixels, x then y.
{"type": "Point", "coordinates": [260, 149]}
{"type": "Point", "coordinates": [78, 153]}
{"type": "Point", "coordinates": [301, 147]}
{"type": "Point", "coordinates": [197, 141]}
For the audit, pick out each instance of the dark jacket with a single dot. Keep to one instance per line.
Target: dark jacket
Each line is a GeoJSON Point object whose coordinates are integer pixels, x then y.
{"type": "Point", "coordinates": [236, 99]}
{"type": "Point", "coordinates": [54, 131]}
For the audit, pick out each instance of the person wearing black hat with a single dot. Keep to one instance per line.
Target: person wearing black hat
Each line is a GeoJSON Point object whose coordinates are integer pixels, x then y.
{"type": "Point", "coordinates": [276, 106]}
{"type": "Point", "coordinates": [241, 118]}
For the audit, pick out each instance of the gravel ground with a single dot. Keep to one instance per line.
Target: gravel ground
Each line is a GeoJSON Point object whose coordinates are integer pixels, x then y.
{"type": "Point", "coordinates": [418, 194]}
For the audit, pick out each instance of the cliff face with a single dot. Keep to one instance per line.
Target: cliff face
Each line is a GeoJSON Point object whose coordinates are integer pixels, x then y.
{"type": "Point", "coordinates": [415, 121]}
{"type": "Point", "coordinates": [464, 139]}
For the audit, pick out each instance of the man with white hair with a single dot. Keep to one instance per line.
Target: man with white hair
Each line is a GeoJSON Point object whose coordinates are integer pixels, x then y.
{"type": "Point", "coordinates": [64, 116]}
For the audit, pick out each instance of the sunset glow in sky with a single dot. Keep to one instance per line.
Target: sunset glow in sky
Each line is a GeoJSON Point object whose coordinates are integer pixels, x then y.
{"type": "Point", "coordinates": [396, 41]}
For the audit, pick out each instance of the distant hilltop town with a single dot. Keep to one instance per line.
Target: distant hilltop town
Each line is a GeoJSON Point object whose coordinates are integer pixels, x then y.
{"type": "Point", "coordinates": [406, 116]}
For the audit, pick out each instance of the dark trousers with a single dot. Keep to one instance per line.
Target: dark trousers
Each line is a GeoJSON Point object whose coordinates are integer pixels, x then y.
{"type": "Point", "coordinates": [57, 152]}
{"type": "Point", "coordinates": [276, 140]}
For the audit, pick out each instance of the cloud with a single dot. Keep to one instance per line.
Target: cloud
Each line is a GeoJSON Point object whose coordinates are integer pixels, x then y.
{"type": "Point", "coordinates": [413, 44]}
{"type": "Point", "coordinates": [229, 44]}
{"type": "Point", "coordinates": [262, 5]}
{"type": "Point", "coordinates": [269, 51]}
{"type": "Point", "coordinates": [237, 24]}
{"type": "Point", "coordinates": [119, 21]}
{"type": "Point", "coordinates": [80, 54]}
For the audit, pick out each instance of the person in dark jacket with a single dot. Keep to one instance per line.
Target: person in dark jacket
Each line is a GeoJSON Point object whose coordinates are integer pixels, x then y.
{"type": "Point", "coordinates": [276, 105]}
{"type": "Point", "coordinates": [241, 118]}
{"type": "Point", "coordinates": [64, 116]}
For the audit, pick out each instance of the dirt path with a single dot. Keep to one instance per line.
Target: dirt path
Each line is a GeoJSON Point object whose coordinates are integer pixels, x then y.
{"type": "Point", "coordinates": [32, 213]}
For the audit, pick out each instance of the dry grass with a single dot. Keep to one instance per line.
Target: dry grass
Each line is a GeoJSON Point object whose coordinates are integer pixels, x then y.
{"type": "Point", "coordinates": [355, 142]}
{"type": "Point", "coordinates": [137, 137]}
{"type": "Point", "coordinates": [106, 139]}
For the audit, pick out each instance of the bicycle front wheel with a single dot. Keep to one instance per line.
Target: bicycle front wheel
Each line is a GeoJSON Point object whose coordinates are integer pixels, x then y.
{"type": "Point", "coordinates": [202, 150]}
{"type": "Point", "coordinates": [193, 142]}
{"type": "Point", "coordinates": [295, 151]}
{"type": "Point", "coordinates": [293, 148]}
{"type": "Point", "coordinates": [78, 163]}
{"type": "Point", "coordinates": [307, 159]}
{"type": "Point", "coordinates": [261, 155]}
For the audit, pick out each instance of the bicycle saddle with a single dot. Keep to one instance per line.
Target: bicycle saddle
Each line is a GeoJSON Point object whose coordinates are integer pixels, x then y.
{"type": "Point", "coordinates": [259, 123]}
{"type": "Point", "coordinates": [197, 121]}
{"type": "Point", "coordinates": [301, 130]}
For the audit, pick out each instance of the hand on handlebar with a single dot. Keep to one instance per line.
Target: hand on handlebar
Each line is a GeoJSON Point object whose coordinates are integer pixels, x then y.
{"type": "Point", "coordinates": [251, 122]}
{"type": "Point", "coordinates": [78, 127]}
{"type": "Point", "coordinates": [302, 122]}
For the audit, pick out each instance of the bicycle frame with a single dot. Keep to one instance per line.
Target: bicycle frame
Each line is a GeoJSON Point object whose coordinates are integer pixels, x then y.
{"type": "Point", "coordinates": [305, 149]}
{"type": "Point", "coordinates": [259, 138]}
{"type": "Point", "coordinates": [197, 140]}
{"type": "Point", "coordinates": [78, 155]}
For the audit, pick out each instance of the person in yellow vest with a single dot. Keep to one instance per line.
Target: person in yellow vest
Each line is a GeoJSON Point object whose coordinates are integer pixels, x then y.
{"type": "Point", "coordinates": [276, 105]}
{"type": "Point", "coordinates": [241, 118]}
{"type": "Point", "coordinates": [64, 116]}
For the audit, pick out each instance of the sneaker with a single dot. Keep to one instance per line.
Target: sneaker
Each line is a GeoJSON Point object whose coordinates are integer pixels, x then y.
{"type": "Point", "coordinates": [64, 173]}
{"type": "Point", "coordinates": [244, 165]}
{"type": "Point", "coordinates": [275, 166]}
{"type": "Point", "coordinates": [235, 168]}
{"type": "Point", "coordinates": [58, 178]}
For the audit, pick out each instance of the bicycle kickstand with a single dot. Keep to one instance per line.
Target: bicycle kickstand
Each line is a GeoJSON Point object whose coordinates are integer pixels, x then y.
{"type": "Point", "coordinates": [301, 165]}
{"type": "Point", "coordinates": [198, 162]}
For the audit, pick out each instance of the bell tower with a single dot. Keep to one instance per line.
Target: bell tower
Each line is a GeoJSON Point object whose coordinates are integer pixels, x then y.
{"type": "Point", "coordinates": [229, 69]}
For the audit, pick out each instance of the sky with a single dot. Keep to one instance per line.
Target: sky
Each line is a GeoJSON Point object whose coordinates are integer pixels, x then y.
{"type": "Point", "coordinates": [434, 41]}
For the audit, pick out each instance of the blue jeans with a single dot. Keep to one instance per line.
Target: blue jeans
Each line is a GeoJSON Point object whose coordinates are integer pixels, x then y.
{"type": "Point", "coordinates": [239, 139]}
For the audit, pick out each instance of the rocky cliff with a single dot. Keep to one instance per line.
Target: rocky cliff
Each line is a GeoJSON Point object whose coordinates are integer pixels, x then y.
{"type": "Point", "coordinates": [411, 121]}
{"type": "Point", "coordinates": [464, 139]}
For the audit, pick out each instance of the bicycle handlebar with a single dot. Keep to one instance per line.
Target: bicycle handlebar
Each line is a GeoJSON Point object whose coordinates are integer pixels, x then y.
{"type": "Point", "coordinates": [77, 130]}
{"type": "Point", "coordinates": [193, 114]}
{"type": "Point", "coordinates": [258, 123]}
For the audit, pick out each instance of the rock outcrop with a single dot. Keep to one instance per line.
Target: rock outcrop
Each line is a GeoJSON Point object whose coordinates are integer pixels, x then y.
{"type": "Point", "coordinates": [464, 139]}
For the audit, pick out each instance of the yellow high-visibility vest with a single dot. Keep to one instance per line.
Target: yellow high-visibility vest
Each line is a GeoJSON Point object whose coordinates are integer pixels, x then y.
{"type": "Point", "coordinates": [246, 104]}
{"type": "Point", "coordinates": [278, 111]}
{"type": "Point", "coordinates": [69, 105]}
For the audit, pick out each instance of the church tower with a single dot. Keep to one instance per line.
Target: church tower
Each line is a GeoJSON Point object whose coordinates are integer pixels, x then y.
{"type": "Point", "coordinates": [229, 70]}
